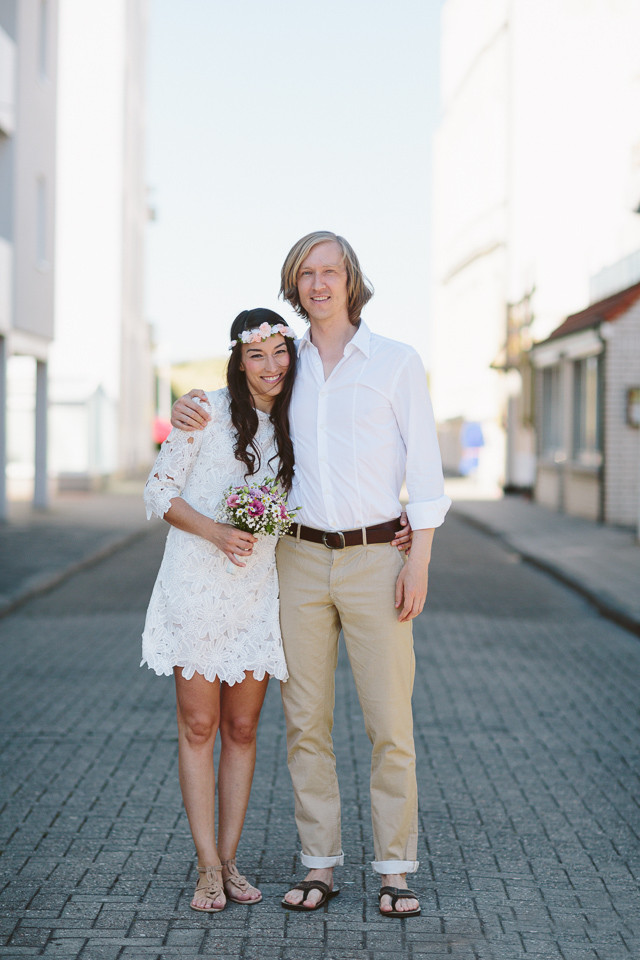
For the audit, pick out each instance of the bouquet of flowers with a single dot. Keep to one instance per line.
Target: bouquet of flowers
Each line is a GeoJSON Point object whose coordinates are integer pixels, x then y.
{"type": "Point", "coordinates": [257, 509]}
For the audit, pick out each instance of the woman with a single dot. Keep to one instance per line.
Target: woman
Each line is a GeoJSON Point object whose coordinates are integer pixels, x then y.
{"type": "Point", "coordinates": [214, 627]}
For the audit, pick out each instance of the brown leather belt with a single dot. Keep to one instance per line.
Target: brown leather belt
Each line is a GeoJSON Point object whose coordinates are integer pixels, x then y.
{"type": "Point", "coordinates": [338, 539]}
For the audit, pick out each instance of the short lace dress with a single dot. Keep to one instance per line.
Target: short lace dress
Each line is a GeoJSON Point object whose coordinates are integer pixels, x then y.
{"type": "Point", "coordinates": [202, 616]}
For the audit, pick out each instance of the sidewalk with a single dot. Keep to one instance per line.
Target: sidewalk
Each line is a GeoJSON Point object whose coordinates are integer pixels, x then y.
{"type": "Point", "coordinates": [39, 550]}
{"type": "Point", "coordinates": [602, 563]}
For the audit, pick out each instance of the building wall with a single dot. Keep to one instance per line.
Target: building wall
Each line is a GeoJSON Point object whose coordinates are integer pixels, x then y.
{"type": "Point", "coordinates": [622, 442]}
{"type": "Point", "coordinates": [136, 366]}
{"type": "Point", "coordinates": [101, 357]}
{"type": "Point", "coordinates": [582, 492]}
{"type": "Point", "coordinates": [28, 66]}
{"type": "Point", "coordinates": [548, 486]}
{"type": "Point", "coordinates": [470, 221]}
{"type": "Point", "coordinates": [575, 130]}
{"type": "Point", "coordinates": [34, 171]}
{"type": "Point", "coordinates": [536, 174]}
{"type": "Point", "coordinates": [564, 480]}
{"type": "Point", "coordinates": [28, 91]}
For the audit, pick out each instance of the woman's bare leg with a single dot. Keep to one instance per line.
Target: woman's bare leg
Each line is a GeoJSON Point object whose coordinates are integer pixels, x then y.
{"type": "Point", "coordinates": [239, 714]}
{"type": "Point", "coordinates": [198, 711]}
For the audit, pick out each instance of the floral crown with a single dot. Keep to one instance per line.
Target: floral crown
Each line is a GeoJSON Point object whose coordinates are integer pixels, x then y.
{"type": "Point", "coordinates": [263, 332]}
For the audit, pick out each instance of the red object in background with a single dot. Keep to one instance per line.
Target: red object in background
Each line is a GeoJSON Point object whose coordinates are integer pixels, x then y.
{"type": "Point", "coordinates": [161, 429]}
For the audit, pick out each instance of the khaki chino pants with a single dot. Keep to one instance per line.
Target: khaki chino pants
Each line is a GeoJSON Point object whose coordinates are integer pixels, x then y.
{"type": "Point", "coordinates": [321, 592]}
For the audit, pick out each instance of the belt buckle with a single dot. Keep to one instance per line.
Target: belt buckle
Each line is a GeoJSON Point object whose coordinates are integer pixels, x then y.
{"type": "Point", "coordinates": [334, 533]}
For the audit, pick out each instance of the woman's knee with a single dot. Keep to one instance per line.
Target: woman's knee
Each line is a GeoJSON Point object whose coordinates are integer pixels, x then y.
{"type": "Point", "coordinates": [198, 730]}
{"type": "Point", "coordinates": [240, 730]}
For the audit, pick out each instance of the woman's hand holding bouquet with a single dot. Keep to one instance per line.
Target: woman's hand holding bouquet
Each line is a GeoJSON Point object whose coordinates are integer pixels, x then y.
{"type": "Point", "coordinates": [259, 509]}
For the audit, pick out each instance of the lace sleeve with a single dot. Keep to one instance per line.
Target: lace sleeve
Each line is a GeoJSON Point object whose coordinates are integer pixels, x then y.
{"type": "Point", "coordinates": [171, 469]}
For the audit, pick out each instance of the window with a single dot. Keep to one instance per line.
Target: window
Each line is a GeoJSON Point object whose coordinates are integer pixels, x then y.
{"type": "Point", "coordinates": [551, 435]}
{"type": "Point", "coordinates": [587, 430]}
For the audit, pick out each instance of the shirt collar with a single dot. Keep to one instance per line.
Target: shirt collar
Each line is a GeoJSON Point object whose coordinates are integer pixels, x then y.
{"type": "Point", "coordinates": [361, 340]}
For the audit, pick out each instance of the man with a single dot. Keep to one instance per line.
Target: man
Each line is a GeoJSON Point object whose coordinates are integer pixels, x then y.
{"type": "Point", "coordinates": [361, 421]}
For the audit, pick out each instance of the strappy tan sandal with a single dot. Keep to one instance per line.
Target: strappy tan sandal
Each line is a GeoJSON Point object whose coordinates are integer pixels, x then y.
{"type": "Point", "coordinates": [209, 888]}
{"type": "Point", "coordinates": [237, 880]}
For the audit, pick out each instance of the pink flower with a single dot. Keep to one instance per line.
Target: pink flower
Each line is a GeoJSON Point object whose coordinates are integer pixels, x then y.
{"type": "Point", "coordinates": [265, 330]}
{"type": "Point", "coordinates": [283, 512]}
{"type": "Point", "coordinates": [256, 508]}
{"type": "Point", "coordinates": [233, 500]}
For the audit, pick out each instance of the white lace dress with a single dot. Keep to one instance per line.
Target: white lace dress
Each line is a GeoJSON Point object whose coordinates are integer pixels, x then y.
{"type": "Point", "coordinates": [201, 616]}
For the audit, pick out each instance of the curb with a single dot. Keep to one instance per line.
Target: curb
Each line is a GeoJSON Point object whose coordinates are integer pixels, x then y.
{"type": "Point", "coordinates": [42, 583]}
{"type": "Point", "coordinates": [606, 607]}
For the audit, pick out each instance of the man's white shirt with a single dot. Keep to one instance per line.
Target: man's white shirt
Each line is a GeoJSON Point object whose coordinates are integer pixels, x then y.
{"type": "Point", "coordinates": [358, 434]}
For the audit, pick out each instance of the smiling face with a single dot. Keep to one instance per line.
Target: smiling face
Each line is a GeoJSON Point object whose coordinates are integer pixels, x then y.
{"type": "Point", "coordinates": [265, 364]}
{"type": "Point", "coordinates": [322, 284]}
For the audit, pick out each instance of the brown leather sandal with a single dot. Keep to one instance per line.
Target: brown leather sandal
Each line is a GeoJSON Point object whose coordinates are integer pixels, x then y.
{"type": "Point", "coordinates": [395, 894]}
{"type": "Point", "coordinates": [209, 887]}
{"type": "Point", "coordinates": [237, 880]}
{"type": "Point", "coordinates": [306, 886]}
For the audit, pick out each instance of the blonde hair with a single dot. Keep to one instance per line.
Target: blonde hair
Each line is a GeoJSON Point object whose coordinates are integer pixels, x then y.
{"type": "Point", "coordinates": [359, 289]}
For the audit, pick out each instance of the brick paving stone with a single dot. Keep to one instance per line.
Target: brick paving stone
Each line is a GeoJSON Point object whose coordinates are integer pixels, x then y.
{"type": "Point", "coordinates": [527, 733]}
{"type": "Point", "coordinates": [101, 951]}
{"type": "Point", "coordinates": [29, 937]}
{"type": "Point", "coordinates": [61, 947]}
{"type": "Point", "coordinates": [10, 952]}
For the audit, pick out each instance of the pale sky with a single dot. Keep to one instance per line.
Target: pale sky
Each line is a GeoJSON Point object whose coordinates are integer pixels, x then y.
{"type": "Point", "coordinates": [268, 119]}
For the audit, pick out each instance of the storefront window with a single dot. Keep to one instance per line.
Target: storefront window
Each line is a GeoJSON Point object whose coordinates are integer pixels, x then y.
{"type": "Point", "coordinates": [551, 434]}
{"type": "Point", "coordinates": [586, 411]}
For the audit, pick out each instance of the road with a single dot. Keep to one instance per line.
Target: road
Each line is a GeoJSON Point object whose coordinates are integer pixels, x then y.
{"type": "Point", "coordinates": [528, 742]}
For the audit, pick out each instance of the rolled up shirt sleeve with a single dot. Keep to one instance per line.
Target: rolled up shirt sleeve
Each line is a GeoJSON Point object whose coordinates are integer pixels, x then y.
{"type": "Point", "coordinates": [428, 504]}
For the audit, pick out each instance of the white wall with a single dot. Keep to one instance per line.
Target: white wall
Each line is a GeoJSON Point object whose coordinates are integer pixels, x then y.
{"type": "Point", "coordinates": [574, 124]}
{"type": "Point", "coordinates": [537, 172]}
{"type": "Point", "coordinates": [622, 450]}
{"type": "Point", "coordinates": [7, 83]}
{"type": "Point", "coordinates": [101, 346]}
{"type": "Point", "coordinates": [90, 197]}
{"type": "Point", "coordinates": [34, 169]}
{"type": "Point", "coordinates": [470, 221]}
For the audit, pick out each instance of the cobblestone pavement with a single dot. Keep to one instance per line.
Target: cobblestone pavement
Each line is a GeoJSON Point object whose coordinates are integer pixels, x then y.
{"type": "Point", "coordinates": [39, 549]}
{"type": "Point", "coordinates": [599, 561]}
{"type": "Point", "coordinates": [527, 732]}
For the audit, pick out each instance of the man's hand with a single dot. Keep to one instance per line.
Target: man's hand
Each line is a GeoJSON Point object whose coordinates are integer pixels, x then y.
{"type": "Point", "coordinates": [187, 415]}
{"type": "Point", "coordinates": [404, 536]}
{"type": "Point", "coordinates": [413, 580]}
{"type": "Point", "coordinates": [411, 590]}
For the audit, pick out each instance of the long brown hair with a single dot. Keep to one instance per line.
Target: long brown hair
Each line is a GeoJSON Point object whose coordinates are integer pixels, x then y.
{"type": "Point", "coordinates": [243, 412]}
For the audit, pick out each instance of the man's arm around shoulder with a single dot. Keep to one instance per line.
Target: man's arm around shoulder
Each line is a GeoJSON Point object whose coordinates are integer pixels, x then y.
{"type": "Point", "coordinates": [187, 415]}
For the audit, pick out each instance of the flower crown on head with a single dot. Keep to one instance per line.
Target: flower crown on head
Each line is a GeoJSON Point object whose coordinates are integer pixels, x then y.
{"type": "Point", "coordinates": [263, 332]}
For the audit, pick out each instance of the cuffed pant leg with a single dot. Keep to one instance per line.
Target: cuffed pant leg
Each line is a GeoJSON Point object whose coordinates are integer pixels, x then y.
{"type": "Point", "coordinates": [382, 660]}
{"type": "Point", "coordinates": [310, 631]}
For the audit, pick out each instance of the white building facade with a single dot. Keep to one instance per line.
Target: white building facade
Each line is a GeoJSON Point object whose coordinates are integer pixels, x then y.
{"type": "Point", "coordinates": [537, 187]}
{"type": "Point", "coordinates": [28, 67]}
{"type": "Point", "coordinates": [587, 375]}
{"type": "Point", "coordinates": [101, 368]}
